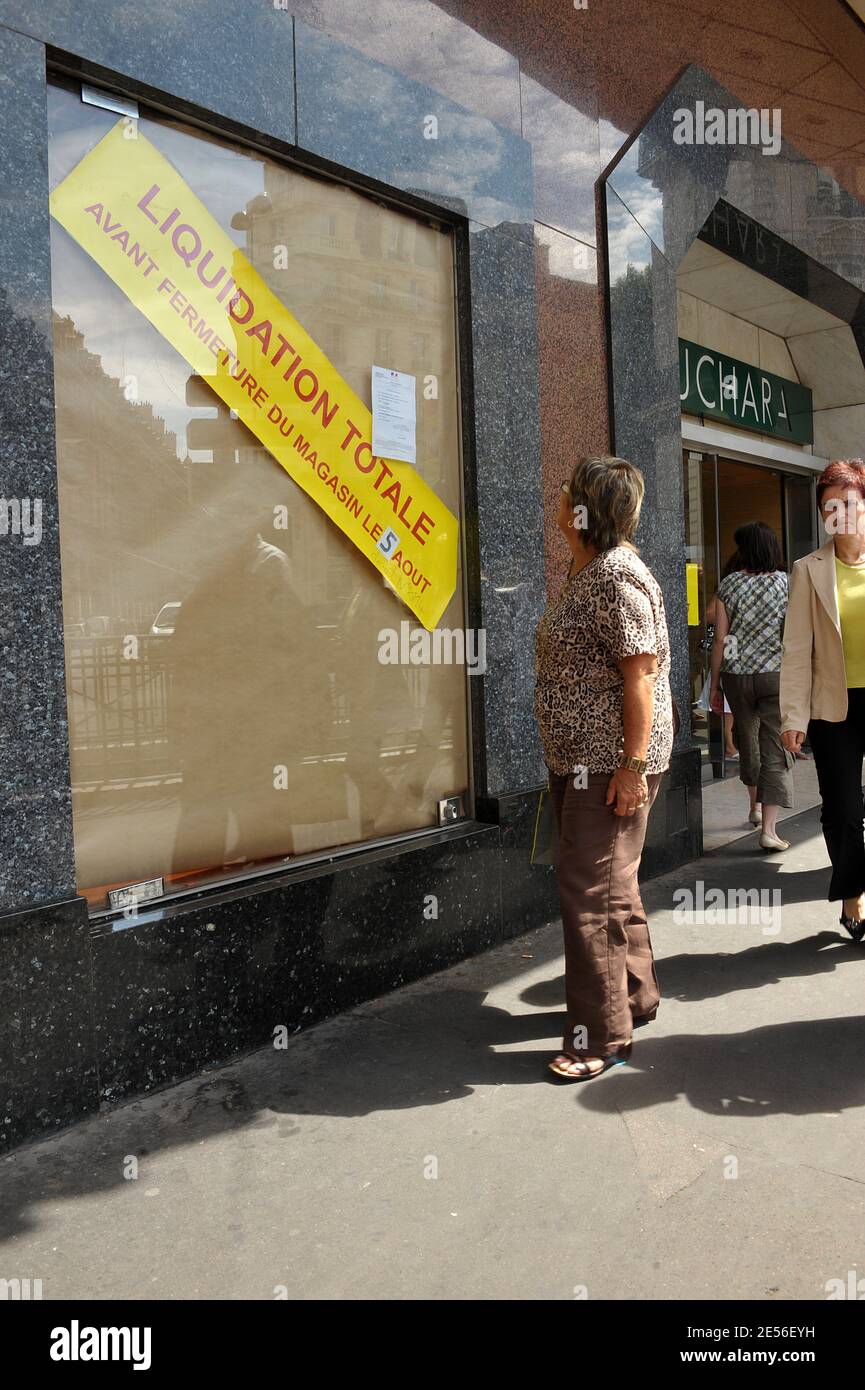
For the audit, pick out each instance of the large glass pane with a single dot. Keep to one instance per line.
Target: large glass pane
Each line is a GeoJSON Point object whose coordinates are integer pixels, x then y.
{"type": "Point", "coordinates": [747, 492]}
{"type": "Point", "coordinates": [801, 515]}
{"type": "Point", "coordinates": [219, 627]}
{"type": "Point", "coordinates": [701, 556]}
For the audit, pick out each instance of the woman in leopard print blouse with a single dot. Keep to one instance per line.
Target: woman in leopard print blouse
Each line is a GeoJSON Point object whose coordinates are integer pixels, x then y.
{"type": "Point", "coordinates": [605, 714]}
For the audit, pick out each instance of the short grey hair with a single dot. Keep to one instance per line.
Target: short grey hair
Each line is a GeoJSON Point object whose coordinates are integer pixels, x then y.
{"type": "Point", "coordinates": [611, 491]}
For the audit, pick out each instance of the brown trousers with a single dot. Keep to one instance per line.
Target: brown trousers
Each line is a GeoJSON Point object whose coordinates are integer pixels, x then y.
{"type": "Point", "coordinates": [609, 967]}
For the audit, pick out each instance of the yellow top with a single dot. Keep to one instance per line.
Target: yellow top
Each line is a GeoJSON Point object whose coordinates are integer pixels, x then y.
{"type": "Point", "coordinates": [850, 588]}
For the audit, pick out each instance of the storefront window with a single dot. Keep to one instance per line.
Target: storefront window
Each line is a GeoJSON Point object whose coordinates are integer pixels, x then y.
{"type": "Point", "coordinates": [227, 704]}
{"type": "Point", "coordinates": [720, 495]}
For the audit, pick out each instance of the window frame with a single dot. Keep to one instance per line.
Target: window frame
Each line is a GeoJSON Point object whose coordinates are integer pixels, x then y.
{"type": "Point", "coordinates": [64, 71]}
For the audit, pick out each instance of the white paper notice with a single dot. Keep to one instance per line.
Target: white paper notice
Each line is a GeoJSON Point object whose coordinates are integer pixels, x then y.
{"type": "Point", "coordinates": [394, 419]}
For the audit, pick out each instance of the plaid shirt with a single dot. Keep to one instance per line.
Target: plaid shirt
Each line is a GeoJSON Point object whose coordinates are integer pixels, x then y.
{"type": "Point", "coordinates": [756, 605]}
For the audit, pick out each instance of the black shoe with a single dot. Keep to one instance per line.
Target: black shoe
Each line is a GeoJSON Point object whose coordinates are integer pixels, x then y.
{"type": "Point", "coordinates": [853, 926]}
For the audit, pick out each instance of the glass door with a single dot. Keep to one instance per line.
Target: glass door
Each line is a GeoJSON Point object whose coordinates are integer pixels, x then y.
{"type": "Point", "coordinates": [701, 558]}
{"type": "Point", "coordinates": [721, 495]}
{"type": "Point", "coordinates": [800, 517]}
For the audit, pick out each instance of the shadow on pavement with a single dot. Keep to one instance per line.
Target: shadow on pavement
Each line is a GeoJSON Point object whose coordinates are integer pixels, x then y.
{"type": "Point", "coordinates": [710, 975]}
{"type": "Point", "coordinates": [430, 1049]}
{"type": "Point", "coordinates": [803, 1067]}
{"type": "Point", "coordinates": [432, 1046]}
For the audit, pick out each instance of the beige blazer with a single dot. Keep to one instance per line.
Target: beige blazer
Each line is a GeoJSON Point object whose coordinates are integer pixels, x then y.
{"type": "Point", "coordinates": [813, 680]}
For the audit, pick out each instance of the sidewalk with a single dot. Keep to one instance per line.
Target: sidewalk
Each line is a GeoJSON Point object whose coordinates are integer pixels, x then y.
{"type": "Point", "coordinates": [308, 1168]}
{"type": "Point", "coordinates": [725, 803]}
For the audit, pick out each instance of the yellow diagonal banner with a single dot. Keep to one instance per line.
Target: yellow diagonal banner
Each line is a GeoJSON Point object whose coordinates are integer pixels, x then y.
{"type": "Point", "coordinates": [140, 221]}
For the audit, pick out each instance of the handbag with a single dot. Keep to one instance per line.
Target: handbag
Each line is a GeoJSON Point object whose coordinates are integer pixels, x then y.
{"type": "Point", "coordinates": [545, 841]}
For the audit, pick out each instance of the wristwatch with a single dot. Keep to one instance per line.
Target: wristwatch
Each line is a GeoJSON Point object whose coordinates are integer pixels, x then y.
{"type": "Point", "coordinates": [632, 764]}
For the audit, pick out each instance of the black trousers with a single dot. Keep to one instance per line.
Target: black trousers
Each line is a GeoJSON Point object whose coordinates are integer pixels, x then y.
{"type": "Point", "coordinates": [838, 750]}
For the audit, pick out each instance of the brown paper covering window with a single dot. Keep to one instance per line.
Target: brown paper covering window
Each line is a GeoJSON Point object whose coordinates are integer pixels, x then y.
{"type": "Point", "coordinates": [218, 628]}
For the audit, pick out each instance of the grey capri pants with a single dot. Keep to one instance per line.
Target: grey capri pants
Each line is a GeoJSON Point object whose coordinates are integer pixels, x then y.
{"type": "Point", "coordinates": [764, 762]}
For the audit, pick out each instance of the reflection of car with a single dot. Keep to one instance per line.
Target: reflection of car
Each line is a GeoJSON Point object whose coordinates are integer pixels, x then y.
{"type": "Point", "coordinates": [98, 626]}
{"type": "Point", "coordinates": [163, 623]}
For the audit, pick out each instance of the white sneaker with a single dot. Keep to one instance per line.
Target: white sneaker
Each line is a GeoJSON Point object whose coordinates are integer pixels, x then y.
{"type": "Point", "coordinates": [773, 842]}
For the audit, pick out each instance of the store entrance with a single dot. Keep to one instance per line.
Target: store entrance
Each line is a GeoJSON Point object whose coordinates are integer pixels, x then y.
{"type": "Point", "coordinates": [722, 494]}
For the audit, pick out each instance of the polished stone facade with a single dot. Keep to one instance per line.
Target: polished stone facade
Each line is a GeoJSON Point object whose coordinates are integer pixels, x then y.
{"type": "Point", "coordinates": [148, 1000]}
{"type": "Point", "coordinates": [36, 860]}
{"type": "Point", "coordinates": [660, 196]}
{"type": "Point", "coordinates": [505, 114]}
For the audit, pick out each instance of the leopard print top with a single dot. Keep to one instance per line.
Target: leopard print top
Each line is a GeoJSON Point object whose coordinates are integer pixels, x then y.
{"type": "Point", "coordinates": [612, 608]}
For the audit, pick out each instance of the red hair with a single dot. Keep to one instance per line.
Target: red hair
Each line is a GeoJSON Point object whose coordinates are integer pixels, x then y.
{"type": "Point", "coordinates": [846, 473]}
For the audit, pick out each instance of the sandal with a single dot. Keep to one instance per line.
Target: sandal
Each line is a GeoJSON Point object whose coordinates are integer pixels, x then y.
{"type": "Point", "coordinates": [586, 1073]}
{"type": "Point", "coordinates": [853, 926]}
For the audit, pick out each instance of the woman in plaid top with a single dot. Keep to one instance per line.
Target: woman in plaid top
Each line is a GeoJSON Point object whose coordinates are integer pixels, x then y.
{"type": "Point", "coordinates": [746, 664]}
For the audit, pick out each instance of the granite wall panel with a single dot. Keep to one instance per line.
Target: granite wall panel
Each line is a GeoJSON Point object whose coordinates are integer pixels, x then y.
{"type": "Point", "coordinates": [196, 53]}
{"type": "Point", "coordinates": [36, 860]}
{"type": "Point", "coordinates": [531, 102]}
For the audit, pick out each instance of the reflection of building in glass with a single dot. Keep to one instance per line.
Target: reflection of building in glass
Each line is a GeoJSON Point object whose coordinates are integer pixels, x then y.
{"type": "Point", "coordinates": [820, 202]}
{"type": "Point", "coordinates": [122, 484]}
{"type": "Point", "coordinates": [384, 304]}
{"type": "Point", "coordinates": [382, 267]}
{"type": "Point", "coordinates": [255, 719]}
{"type": "Point", "coordinates": [367, 284]}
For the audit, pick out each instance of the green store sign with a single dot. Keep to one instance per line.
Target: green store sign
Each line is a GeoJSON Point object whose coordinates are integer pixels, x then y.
{"type": "Point", "coordinates": [710, 383]}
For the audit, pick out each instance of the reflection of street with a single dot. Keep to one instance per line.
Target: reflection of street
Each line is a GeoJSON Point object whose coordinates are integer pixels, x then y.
{"type": "Point", "coordinates": [244, 703]}
{"type": "Point", "coordinates": [254, 621]}
{"type": "Point", "coordinates": [391, 765]}
{"type": "Point", "coordinates": [117, 698]}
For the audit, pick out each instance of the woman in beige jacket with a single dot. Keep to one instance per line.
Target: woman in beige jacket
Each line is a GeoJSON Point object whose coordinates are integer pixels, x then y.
{"type": "Point", "coordinates": [823, 677]}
